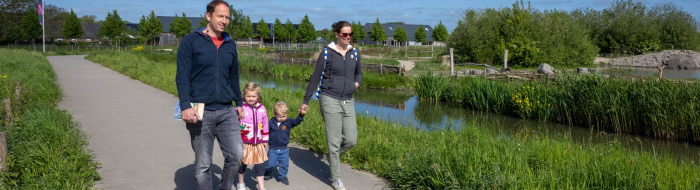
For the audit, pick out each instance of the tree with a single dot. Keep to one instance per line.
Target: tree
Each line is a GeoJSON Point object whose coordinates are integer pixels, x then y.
{"type": "Point", "coordinates": [112, 26]}
{"type": "Point", "coordinates": [420, 34]}
{"type": "Point", "coordinates": [54, 17]}
{"type": "Point", "coordinates": [306, 30]}
{"type": "Point", "coordinates": [203, 22]}
{"type": "Point", "coordinates": [291, 32]}
{"type": "Point", "coordinates": [377, 33]}
{"type": "Point", "coordinates": [235, 25]}
{"type": "Point", "coordinates": [88, 18]}
{"type": "Point", "coordinates": [14, 33]}
{"type": "Point", "coordinates": [72, 28]}
{"type": "Point", "coordinates": [31, 29]}
{"type": "Point", "coordinates": [278, 30]}
{"type": "Point", "coordinates": [247, 29]}
{"type": "Point", "coordinates": [155, 26]}
{"type": "Point", "coordinates": [356, 27]}
{"type": "Point", "coordinates": [145, 28]}
{"type": "Point", "coordinates": [360, 32]}
{"type": "Point", "coordinates": [440, 33]}
{"type": "Point", "coordinates": [326, 34]}
{"type": "Point", "coordinates": [180, 26]}
{"type": "Point", "coordinates": [400, 34]}
{"type": "Point", "coordinates": [263, 30]}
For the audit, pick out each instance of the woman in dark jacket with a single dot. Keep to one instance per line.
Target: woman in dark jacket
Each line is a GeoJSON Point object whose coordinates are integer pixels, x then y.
{"type": "Point", "coordinates": [339, 73]}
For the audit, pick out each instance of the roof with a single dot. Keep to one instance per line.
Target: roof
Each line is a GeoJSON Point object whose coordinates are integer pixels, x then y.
{"type": "Point", "coordinates": [90, 30]}
{"type": "Point", "coordinates": [166, 20]}
{"type": "Point", "coordinates": [409, 28]}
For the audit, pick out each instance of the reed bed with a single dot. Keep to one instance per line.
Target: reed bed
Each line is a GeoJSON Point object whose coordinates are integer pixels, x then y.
{"type": "Point", "coordinates": [661, 108]}
{"type": "Point", "coordinates": [468, 156]}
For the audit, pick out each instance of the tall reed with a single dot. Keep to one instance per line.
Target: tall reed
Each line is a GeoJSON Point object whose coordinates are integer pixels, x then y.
{"type": "Point", "coordinates": [663, 108]}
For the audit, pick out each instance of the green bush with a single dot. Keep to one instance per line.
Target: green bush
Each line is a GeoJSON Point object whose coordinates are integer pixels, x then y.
{"type": "Point", "coordinates": [61, 43]}
{"type": "Point", "coordinates": [531, 36]}
{"type": "Point", "coordinates": [81, 44]}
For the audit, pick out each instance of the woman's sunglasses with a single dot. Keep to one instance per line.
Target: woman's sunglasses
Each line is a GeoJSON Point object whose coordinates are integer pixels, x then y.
{"type": "Point", "coordinates": [345, 35]}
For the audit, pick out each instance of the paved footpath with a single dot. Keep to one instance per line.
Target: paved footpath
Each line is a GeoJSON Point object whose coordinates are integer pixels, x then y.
{"type": "Point", "coordinates": [140, 146]}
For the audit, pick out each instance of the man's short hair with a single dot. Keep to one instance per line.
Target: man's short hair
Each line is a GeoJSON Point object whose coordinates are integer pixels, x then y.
{"type": "Point", "coordinates": [211, 7]}
{"type": "Point", "coordinates": [281, 109]}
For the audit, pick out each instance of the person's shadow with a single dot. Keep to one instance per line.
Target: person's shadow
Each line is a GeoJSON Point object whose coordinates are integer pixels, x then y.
{"type": "Point", "coordinates": [185, 180]}
{"type": "Point", "coordinates": [311, 163]}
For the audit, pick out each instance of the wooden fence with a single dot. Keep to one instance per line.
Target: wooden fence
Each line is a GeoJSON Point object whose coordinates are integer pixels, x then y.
{"type": "Point", "coordinates": [376, 68]}
{"type": "Point", "coordinates": [9, 122]}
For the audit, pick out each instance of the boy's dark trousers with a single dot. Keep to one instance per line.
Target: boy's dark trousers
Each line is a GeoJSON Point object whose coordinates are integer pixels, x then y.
{"type": "Point", "coordinates": [278, 157]}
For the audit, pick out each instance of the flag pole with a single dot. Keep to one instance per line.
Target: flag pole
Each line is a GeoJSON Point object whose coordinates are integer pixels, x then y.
{"type": "Point", "coordinates": [43, 26]}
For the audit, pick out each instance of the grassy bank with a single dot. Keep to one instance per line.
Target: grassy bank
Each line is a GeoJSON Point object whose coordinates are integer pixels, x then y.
{"type": "Point", "coordinates": [660, 108]}
{"type": "Point", "coordinates": [461, 158]}
{"type": "Point", "coordinates": [46, 149]}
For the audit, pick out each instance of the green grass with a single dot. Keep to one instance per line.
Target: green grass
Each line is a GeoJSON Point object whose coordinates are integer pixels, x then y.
{"type": "Point", "coordinates": [393, 62]}
{"type": "Point", "coordinates": [467, 156]}
{"type": "Point", "coordinates": [248, 63]}
{"type": "Point", "coordinates": [659, 108]}
{"type": "Point", "coordinates": [46, 149]}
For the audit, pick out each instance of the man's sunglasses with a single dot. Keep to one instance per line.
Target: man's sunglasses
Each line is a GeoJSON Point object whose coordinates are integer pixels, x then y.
{"type": "Point", "coordinates": [345, 35]}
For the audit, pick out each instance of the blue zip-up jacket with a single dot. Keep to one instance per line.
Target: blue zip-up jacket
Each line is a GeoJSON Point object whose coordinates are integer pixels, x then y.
{"type": "Point", "coordinates": [279, 134]}
{"type": "Point", "coordinates": [206, 74]}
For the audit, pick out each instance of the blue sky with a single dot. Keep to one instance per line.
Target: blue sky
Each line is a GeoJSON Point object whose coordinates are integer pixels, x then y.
{"type": "Point", "coordinates": [323, 13]}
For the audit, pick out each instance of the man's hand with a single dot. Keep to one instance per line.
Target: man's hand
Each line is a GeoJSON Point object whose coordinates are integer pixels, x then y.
{"type": "Point", "coordinates": [357, 85]}
{"type": "Point", "coordinates": [303, 108]}
{"type": "Point", "coordinates": [190, 116]}
{"type": "Point", "coordinates": [240, 113]}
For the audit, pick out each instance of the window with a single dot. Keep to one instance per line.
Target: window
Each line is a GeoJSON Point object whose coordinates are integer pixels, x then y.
{"type": "Point", "coordinates": [390, 28]}
{"type": "Point", "coordinates": [426, 29]}
{"type": "Point", "coordinates": [88, 40]}
{"type": "Point", "coordinates": [73, 40]}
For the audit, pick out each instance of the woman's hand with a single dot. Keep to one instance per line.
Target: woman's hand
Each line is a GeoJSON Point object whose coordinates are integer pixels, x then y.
{"type": "Point", "coordinates": [303, 108]}
{"type": "Point", "coordinates": [357, 85]}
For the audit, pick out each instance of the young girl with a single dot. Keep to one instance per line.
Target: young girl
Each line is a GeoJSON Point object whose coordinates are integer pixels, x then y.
{"type": "Point", "coordinates": [255, 134]}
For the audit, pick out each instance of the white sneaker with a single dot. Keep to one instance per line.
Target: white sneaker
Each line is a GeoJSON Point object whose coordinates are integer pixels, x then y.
{"type": "Point", "coordinates": [241, 186]}
{"type": "Point", "coordinates": [338, 185]}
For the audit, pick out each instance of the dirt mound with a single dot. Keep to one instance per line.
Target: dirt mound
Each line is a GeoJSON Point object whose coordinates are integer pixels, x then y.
{"type": "Point", "coordinates": [674, 59]}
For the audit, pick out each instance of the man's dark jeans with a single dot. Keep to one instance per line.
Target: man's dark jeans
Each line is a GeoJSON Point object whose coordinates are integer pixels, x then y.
{"type": "Point", "coordinates": [224, 126]}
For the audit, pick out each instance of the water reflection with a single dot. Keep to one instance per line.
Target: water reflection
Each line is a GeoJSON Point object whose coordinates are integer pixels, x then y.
{"type": "Point", "coordinates": [405, 108]}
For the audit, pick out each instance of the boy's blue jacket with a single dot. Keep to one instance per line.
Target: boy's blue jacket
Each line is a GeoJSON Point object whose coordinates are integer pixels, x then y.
{"type": "Point", "coordinates": [279, 134]}
{"type": "Point", "coordinates": [206, 74]}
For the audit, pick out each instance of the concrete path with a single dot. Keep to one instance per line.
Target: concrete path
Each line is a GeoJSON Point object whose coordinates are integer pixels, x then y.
{"type": "Point", "coordinates": [140, 146]}
{"type": "Point", "coordinates": [407, 64]}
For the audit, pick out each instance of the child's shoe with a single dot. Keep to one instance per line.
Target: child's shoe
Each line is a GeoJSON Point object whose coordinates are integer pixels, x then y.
{"type": "Point", "coordinates": [338, 185]}
{"type": "Point", "coordinates": [241, 186]}
{"type": "Point", "coordinates": [267, 176]}
{"type": "Point", "coordinates": [284, 180]}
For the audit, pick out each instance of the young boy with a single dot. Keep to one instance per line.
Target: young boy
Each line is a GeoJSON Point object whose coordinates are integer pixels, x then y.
{"type": "Point", "coordinates": [280, 128]}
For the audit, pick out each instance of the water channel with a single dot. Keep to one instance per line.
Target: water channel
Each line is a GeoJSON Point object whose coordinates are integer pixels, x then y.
{"type": "Point", "coordinates": [405, 108]}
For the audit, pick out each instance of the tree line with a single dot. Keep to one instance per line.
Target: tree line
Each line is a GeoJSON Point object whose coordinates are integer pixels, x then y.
{"type": "Point", "coordinates": [570, 38]}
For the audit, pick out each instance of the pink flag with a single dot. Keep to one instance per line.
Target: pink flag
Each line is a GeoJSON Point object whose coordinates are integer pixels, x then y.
{"type": "Point", "coordinates": [40, 9]}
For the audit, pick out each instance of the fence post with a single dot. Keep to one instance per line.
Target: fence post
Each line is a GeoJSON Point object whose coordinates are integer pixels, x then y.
{"type": "Point", "coordinates": [3, 150]}
{"type": "Point", "coordinates": [8, 112]}
{"type": "Point", "coordinates": [432, 50]}
{"type": "Point", "coordinates": [381, 70]}
{"type": "Point", "coordinates": [452, 61]}
{"type": "Point", "coordinates": [505, 59]}
{"type": "Point", "coordinates": [18, 93]}
{"type": "Point", "coordinates": [405, 53]}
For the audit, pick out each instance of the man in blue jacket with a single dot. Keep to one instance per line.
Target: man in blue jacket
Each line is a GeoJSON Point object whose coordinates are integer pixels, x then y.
{"type": "Point", "coordinates": [207, 72]}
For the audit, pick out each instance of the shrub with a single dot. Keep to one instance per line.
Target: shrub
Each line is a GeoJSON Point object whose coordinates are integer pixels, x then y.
{"type": "Point", "coordinates": [138, 48]}
{"type": "Point", "coordinates": [81, 44]}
